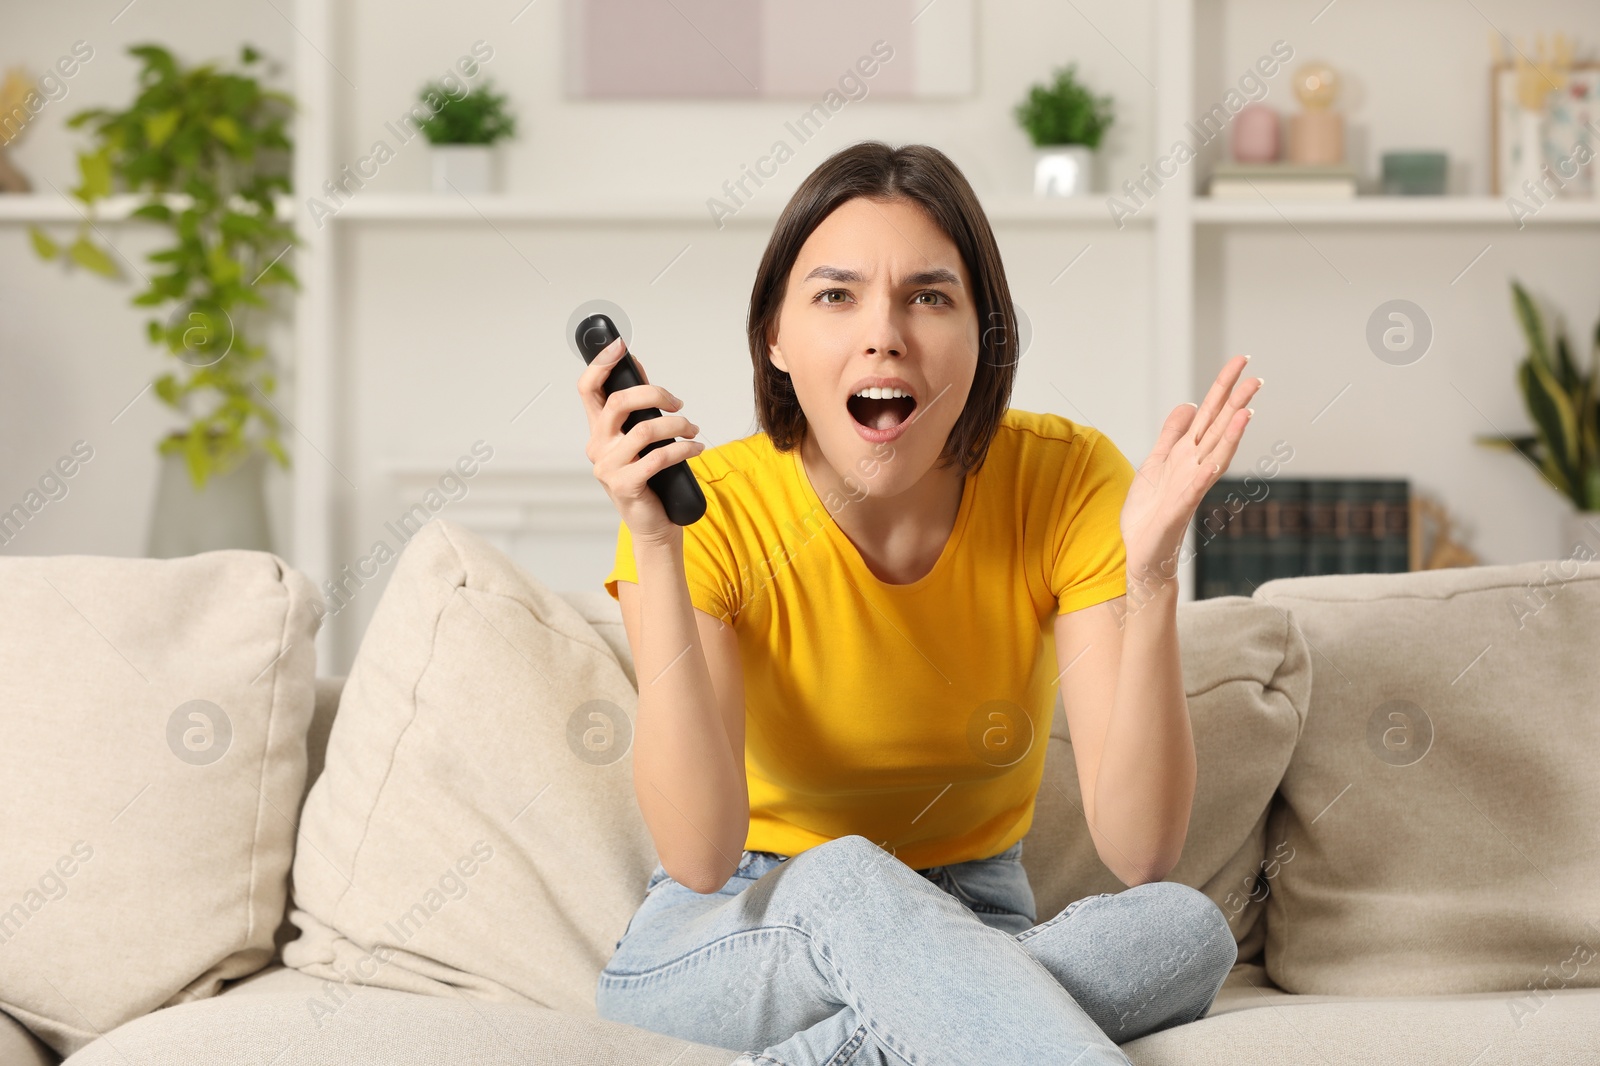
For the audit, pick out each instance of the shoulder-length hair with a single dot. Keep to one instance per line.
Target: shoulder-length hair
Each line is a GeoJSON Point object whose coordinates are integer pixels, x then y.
{"type": "Point", "coordinates": [925, 176]}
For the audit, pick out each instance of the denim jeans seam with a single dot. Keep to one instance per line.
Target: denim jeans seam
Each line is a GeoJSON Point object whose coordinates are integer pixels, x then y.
{"type": "Point", "coordinates": [844, 982]}
{"type": "Point", "coordinates": [722, 943]}
{"type": "Point", "coordinates": [1066, 912]}
{"type": "Point", "coordinates": [849, 1049]}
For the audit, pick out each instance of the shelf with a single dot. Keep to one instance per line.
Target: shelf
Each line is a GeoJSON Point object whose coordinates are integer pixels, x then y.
{"type": "Point", "coordinates": [429, 207]}
{"type": "Point", "coordinates": [1002, 211]}
{"type": "Point", "coordinates": [48, 207]}
{"type": "Point", "coordinates": [1398, 210]}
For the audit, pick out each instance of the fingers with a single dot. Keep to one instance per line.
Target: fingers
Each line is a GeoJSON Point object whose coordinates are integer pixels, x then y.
{"type": "Point", "coordinates": [1220, 454]}
{"type": "Point", "coordinates": [595, 374]}
{"type": "Point", "coordinates": [1231, 419]}
{"type": "Point", "coordinates": [1217, 397]}
{"type": "Point", "coordinates": [1172, 430]}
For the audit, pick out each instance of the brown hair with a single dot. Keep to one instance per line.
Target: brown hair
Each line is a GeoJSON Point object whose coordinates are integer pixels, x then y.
{"type": "Point", "coordinates": [925, 176]}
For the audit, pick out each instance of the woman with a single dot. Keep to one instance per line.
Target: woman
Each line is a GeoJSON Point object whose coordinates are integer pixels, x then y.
{"type": "Point", "coordinates": [844, 682]}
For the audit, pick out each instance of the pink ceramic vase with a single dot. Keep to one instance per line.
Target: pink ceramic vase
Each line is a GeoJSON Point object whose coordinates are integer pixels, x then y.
{"type": "Point", "coordinates": [1255, 134]}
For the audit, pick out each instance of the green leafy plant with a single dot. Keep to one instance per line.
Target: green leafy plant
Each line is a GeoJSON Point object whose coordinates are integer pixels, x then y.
{"type": "Point", "coordinates": [208, 149]}
{"type": "Point", "coordinates": [1564, 404]}
{"type": "Point", "coordinates": [479, 117]}
{"type": "Point", "coordinates": [1065, 112]}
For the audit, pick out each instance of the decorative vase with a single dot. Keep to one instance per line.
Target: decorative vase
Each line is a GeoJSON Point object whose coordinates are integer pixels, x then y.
{"type": "Point", "coordinates": [465, 168]}
{"type": "Point", "coordinates": [1064, 170]}
{"type": "Point", "coordinates": [230, 512]}
{"type": "Point", "coordinates": [1581, 528]}
{"type": "Point", "coordinates": [1255, 135]}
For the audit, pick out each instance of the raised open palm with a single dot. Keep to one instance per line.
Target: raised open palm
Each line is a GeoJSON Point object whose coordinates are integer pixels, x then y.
{"type": "Point", "coordinates": [1194, 450]}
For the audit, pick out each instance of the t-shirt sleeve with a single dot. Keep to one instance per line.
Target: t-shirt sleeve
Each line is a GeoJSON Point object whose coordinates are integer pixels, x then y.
{"type": "Point", "coordinates": [707, 566]}
{"type": "Point", "coordinates": [1090, 561]}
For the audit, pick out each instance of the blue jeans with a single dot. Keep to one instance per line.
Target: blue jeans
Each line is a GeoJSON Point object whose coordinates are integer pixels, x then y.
{"type": "Point", "coordinates": [843, 954]}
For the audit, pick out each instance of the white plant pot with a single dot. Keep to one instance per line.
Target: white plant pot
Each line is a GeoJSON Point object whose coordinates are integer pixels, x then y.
{"type": "Point", "coordinates": [470, 169]}
{"type": "Point", "coordinates": [229, 512]}
{"type": "Point", "coordinates": [1581, 527]}
{"type": "Point", "coordinates": [1064, 170]}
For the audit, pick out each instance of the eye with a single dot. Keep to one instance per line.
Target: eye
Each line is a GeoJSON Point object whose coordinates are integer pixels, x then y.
{"type": "Point", "coordinates": [818, 298]}
{"type": "Point", "coordinates": [942, 298]}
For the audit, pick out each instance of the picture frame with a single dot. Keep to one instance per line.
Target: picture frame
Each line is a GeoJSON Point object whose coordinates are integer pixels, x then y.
{"type": "Point", "coordinates": [760, 50]}
{"type": "Point", "coordinates": [1574, 117]}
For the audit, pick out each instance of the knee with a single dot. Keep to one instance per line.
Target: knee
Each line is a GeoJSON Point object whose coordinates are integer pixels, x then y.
{"type": "Point", "coordinates": [1188, 915]}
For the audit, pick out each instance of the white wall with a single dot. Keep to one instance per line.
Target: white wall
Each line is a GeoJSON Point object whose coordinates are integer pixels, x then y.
{"type": "Point", "coordinates": [450, 328]}
{"type": "Point", "coordinates": [1298, 298]}
{"type": "Point", "coordinates": [454, 327]}
{"type": "Point", "coordinates": [73, 352]}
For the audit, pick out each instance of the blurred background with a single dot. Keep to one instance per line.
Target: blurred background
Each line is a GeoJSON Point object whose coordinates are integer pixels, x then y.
{"type": "Point", "coordinates": [298, 274]}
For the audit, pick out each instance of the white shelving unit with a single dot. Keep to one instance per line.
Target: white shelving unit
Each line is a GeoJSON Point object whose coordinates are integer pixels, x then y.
{"type": "Point", "coordinates": [424, 207]}
{"type": "Point", "coordinates": [47, 207]}
{"type": "Point", "coordinates": [1396, 210]}
{"type": "Point", "coordinates": [1174, 220]}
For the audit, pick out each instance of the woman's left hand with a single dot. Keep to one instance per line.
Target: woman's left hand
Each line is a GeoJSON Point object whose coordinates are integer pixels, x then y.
{"type": "Point", "coordinates": [1194, 450]}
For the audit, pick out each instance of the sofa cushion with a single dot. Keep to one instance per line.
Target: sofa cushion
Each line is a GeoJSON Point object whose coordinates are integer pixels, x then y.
{"type": "Point", "coordinates": [288, 1018]}
{"type": "Point", "coordinates": [1247, 676]}
{"type": "Point", "coordinates": [1467, 1030]}
{"type": "Point", "coordinates": [1440, 808]}
{"type": "Point", "coordinates": [154, 713]}
{"type": "Point", "coordinates": [19, 1047]}
{"type": "Point", "coordinates": [474, 826]}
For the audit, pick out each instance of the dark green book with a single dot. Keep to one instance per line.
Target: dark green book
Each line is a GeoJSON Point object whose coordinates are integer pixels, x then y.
{"type": "Point", "coordinates": [1393, 522]}
{"type": "Point", "coordinates": [1214, 539]}
{"type": "Point", "coordinates": [1283, 535]}
{"type": "Point", "coordinates": [1290, 527]}
{"type": "Point", "coordinates": [1322, 541]}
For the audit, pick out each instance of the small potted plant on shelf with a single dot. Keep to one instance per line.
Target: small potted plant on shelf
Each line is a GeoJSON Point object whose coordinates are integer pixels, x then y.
{"type": "Point", "coordinates": [1066, 122]}
{"type": "Point", "coordinates": [463, 135]}
{"type": "Point", "coordinates": [209, 151]}
{"type": "Point", "coordinates": [1564, 404]}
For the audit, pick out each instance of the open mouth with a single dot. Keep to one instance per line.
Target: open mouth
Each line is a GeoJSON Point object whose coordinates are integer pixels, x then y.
{"type": "Point", "coordinates": [885, 413]}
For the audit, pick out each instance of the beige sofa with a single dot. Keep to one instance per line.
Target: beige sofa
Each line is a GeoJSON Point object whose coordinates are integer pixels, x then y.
{"type": "Point", "coordinates": [211, 855]}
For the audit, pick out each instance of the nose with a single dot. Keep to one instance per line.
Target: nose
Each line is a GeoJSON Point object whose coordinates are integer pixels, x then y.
{"type": "Point", "coordinates": [883, 329]}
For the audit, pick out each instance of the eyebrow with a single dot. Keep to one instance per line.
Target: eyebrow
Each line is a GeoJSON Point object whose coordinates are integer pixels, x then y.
{"type": "Point", "coordinates": [936, 276]}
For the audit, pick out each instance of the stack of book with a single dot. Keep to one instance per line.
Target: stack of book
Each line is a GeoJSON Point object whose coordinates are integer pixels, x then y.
{"type": "Point", "coordinates": [1252, 530]}
{"type": "Point", "coordinates": [1283, 181]}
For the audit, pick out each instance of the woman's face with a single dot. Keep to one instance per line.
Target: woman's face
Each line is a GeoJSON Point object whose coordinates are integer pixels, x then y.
{"type": "Point", "coordinates": [879, 291]}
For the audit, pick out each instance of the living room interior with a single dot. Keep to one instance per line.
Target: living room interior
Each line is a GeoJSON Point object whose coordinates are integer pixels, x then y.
{"type": "Point", "coordinates": [1392, 209]}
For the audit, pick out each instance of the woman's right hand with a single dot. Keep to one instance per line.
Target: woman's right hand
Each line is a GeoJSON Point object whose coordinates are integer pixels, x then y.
{"type": "Point", "coordinates": [615, 454]}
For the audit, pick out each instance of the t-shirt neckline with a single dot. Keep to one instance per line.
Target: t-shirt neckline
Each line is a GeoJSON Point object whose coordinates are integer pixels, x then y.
{"type": "Point", "coordinates": [852, 554]}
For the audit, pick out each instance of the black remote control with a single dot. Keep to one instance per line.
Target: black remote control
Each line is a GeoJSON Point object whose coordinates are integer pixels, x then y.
{"type": "Point", "coordinates": [675, 485]}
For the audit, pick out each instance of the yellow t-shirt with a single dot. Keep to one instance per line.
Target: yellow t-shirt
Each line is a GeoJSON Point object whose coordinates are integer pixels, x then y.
{"type": "Point", "coordinates": [915, 715]}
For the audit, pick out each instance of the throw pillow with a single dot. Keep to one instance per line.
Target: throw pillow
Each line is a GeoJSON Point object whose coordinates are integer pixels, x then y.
{"type": "Point", "coordinates": [474, 827]}
{"type": "Point", "coordinates": [154, 713]}
{"type": "Point", "coordinates": [1247, 676]}
{"type": "Point", "coordinates": [1440, 805]}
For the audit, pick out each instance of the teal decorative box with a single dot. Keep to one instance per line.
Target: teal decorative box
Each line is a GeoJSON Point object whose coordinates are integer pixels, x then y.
{"type": "Point", "coordinates": [1414, 173]}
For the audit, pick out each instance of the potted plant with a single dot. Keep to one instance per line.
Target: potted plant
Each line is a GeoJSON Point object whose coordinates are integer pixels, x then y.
{"type": "Point", "coordinates": [463, 134]}
{"type": "Point", "coordinates": [1564, 404]}
{"type": "Point", "coordinates": [208, 150]}
{"type": "Point", "coordinates": [1066, 122]}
